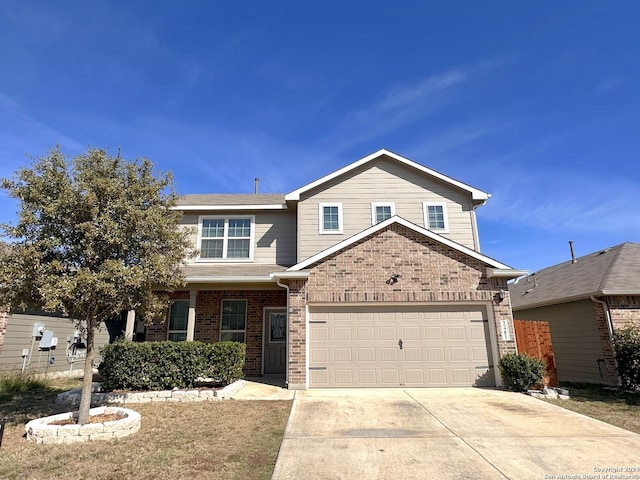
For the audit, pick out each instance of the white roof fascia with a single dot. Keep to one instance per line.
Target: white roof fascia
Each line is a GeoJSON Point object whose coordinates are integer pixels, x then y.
{"type": "Point", "coordinates": [230, 207]}
{"type": "Point", "coordinates": [475, 193]}
{"type": "Point", "coordinates": [230, 279]}
{"type": "Point", "coordinates": [620, 292]}
{"type": "Point", "coordinates": [501, 273]}
{"type": "Point", "coordinates": [290, 274]}
{"type": "Point", "coordinates": [396, 219]}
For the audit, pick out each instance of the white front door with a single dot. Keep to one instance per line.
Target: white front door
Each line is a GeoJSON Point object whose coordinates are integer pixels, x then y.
{"type": "Point", "coordinates": [275, 340]}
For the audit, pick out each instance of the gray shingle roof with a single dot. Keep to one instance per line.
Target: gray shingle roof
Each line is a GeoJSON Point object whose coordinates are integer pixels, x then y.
{"type": "Point", "coordinates": [239, 271]}
{"type": "Point", "coordinates": [613, 271]}
{"type": "Point", "coordinates": [231, 199]}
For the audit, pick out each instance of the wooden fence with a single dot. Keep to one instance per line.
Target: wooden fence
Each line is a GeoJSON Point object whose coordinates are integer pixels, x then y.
{"type": "Point", "coordinates": [534, 338]}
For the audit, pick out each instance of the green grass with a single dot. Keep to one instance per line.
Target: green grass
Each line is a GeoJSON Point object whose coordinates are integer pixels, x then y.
{"type": "Point", "coordinates": [615, 407]}
{"type": "Point", "coordinates": [224, 439]}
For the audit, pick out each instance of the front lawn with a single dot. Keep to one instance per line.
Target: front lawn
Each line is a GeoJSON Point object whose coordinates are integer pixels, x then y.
{"type": "Point", "coordinates": [225, 439]}
{"type": "Point", "coordinates": [621, 409]}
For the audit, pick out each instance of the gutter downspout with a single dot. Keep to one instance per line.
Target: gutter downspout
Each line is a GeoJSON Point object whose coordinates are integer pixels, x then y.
{"type": "Point", "coordinates": [607, 315]}
{"type": "Point", "coordinates": [286, 370]}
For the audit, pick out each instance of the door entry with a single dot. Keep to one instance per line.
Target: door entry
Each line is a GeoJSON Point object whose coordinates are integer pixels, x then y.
{"type": "Point", "coordinates": [275, 340]}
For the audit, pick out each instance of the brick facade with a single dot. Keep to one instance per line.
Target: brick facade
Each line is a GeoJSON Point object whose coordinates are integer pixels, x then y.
{"type": "Point", "coordinates": [359, 274]}
{"type": "Point", "coordinates": [208, 312]}
{"type": "Point", "coordinates": [623, 310]}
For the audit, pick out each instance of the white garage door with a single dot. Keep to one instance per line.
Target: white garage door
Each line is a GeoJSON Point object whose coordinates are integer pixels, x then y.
{"type": "Point", "coordinates": [391, 346]}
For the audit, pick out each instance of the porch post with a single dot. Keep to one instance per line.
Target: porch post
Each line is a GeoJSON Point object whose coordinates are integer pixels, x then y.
{"type": "Point", "coordinates": [131, 321]}
{"type": "Point", "coordinates": [191, 318]}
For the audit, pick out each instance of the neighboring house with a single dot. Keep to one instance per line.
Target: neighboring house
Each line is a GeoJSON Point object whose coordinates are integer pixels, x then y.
{"type": "Point", "coordinates": [370, 276]}
{"type": "Point", "coordinates": [584, 301]}
{"type": "Point", "coordinates": [17, 339]}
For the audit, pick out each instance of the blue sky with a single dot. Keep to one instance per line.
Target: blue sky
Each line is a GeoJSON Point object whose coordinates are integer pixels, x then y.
{"type": "Point", "coordinates": [538, 104]}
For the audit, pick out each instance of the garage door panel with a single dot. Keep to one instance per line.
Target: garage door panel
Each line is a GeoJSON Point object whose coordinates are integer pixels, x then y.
{"type": "Point", "coordinates": [342, 334]}
{"type": "Point", "coordinates": [359, 346]}
{"type": "Point", "coordinates": [390, 377]}
{"type": "Point", "coordinates": [435, 354]}
{"type": "Point", "coordinates": [388, 333]}
{"type": "Point", "coordinates": [413, 354]}
{"type": "Point", "coordinates": [389, 355]}
{"type": "Point", "coordinates": [366, 354]}
{"type": "Point", "coordinates": [365, 333]}
{"type": "Point", "coordinates": [366, 377]}
{"type": "Point", "coordinates": [342, 355]}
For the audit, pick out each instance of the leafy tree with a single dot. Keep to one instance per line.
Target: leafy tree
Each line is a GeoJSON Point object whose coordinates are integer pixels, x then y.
{"type": "Point", "coordinates": [95, 236]}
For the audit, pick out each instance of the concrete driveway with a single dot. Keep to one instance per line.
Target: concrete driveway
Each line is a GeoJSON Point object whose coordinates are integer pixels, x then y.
{"type": "Point", "coordinates": [447, 434]}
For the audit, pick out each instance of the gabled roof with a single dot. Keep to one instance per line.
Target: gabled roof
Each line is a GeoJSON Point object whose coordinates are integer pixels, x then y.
{"type": "Point", "coordinates": [477, 195]}
{"type": "Point", "coordinates": [230, 201]}
{"type": "Point", "coordinates": [613, 271]}
{"type": "Point", "coordinates": [493, 264]}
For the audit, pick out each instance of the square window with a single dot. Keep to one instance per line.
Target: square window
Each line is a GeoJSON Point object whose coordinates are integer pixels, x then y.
{"type": "Point", "coordinates": [330, 218]}
{"type": "Point", "coordinates": [381, 211]}
{"type": "Point", "coordinates": [226, 238]}
{"type": "Point", "coordinates": [435, 217]}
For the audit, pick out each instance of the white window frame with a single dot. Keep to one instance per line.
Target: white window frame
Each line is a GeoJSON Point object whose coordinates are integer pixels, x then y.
{"type": "Point", "coordinates": [375, 205]}
{"type": "Point", "coordinates": [425, 213]}
{"type": "Point", "coordinates": [321, 208]}
{"type": "Point", "coordinates": [225, 238]}
{"type": "Point", "coordinates": [169, 331]}
{"type": "Point", "coordinates": [246, 317]}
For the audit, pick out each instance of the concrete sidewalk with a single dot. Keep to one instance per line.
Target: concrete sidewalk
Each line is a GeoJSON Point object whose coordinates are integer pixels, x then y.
{"type": "Point", "coordinates": [264, 388]}
{"type": "Point", "coordinates": [446, 434]}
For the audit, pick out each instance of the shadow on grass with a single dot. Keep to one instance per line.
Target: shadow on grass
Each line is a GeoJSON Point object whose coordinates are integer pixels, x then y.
{"type": "Point", "coordinates": [587, 392]}
{"type": "Point", "coordinates": [21, 407]}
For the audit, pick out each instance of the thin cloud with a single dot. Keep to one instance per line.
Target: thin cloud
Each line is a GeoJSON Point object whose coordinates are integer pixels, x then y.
{"type": "Point", "coordinates": [610, 83]}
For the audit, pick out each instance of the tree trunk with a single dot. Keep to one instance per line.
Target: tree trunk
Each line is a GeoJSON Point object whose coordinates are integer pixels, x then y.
{"type": "Point", "coordinates": [87, 379]}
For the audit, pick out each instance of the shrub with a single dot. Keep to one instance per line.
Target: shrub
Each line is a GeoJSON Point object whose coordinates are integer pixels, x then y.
{"type": "Point", "coordinates": [165, 365]}
{"type": "Point", "coordinates": [521, 371]}
{"type": "Point", "coordinates": [626, 343]}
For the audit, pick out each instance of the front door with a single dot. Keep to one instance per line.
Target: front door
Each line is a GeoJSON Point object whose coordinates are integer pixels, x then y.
{"type": "Point", "coordinates": [275, 340]}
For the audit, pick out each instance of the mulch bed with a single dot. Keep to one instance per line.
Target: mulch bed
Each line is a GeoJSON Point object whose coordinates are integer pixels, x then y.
{"type": "Point", "coordinates": [112, 417]}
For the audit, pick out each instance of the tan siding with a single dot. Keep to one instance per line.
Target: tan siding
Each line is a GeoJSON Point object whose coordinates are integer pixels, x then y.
{"type": "Point", "coordinates": [275, 234]}
{"type": "Point", "coordinates": [381, 181]}
{"type": "Point", "coordinates": [18, 337]}
{"type": "Point", "coordinates": [576, 340]}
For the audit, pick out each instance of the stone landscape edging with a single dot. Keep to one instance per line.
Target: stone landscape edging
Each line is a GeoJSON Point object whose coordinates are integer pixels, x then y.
{"type": "Point", "coordinates": [72, 397]}
{"type": "Point", "coordinates": [40, 430]}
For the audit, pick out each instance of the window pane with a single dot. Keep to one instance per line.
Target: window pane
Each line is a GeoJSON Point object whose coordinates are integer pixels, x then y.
{"type": "Point", "coordinates": [436, 216]}
{"type": "Point", "coordinates": [238, 249]}
{"type": "Point", "coordinates": [213, 227]}
{"type": "Point", "coordinates": [211, 249]}
{"type": "Point", "coordinates": [178, 314]}
{"type": "Point", "coordinates": [239, 227]}
{"type": "Point", "coordinates": [232, 337]}
{"type": "Point", "coordinates": [331, 219]}
{"type": "Point", "coordinates": [383, 212]}
{"type": "Point", "coordinates": [177, 336]}
{"type": "Point", "coordinates": [234, 315]}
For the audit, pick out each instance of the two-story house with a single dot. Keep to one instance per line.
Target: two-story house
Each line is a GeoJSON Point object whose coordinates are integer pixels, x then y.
{"type": "Point", "coordinates": [370, 276]}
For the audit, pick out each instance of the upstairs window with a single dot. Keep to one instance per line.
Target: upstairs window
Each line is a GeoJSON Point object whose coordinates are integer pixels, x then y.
{"type": "Point", "coordinates": [234, 320]}
{"type": "Point", "coordinates": [381, 211]}
{"type": "Point", "coordinates": [178, 316]}
{"type": "Point", "coordinates": [226, 238]}
{"type": "Point", "coordinates": [435, 217]}
{"type": "Point", "coordinates": [330, 218]}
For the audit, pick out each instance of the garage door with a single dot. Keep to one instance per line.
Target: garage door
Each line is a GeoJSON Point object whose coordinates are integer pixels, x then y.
{"type": "Point", "coordinates": [391, 346]}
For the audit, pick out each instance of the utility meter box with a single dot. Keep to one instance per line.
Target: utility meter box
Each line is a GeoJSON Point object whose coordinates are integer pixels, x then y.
{"type": "Point", "coordinates": [47, 340]}
{"type": "Point", "coordinates": [38, 329]}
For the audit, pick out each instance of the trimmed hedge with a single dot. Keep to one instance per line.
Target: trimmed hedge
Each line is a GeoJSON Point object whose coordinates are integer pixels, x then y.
{"type": "Point", "coordinates": [165, 365]}
{"type": "Point", "coordinates": [521, 371]}
{"type": "Point", "coordinates": [626, 343]}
